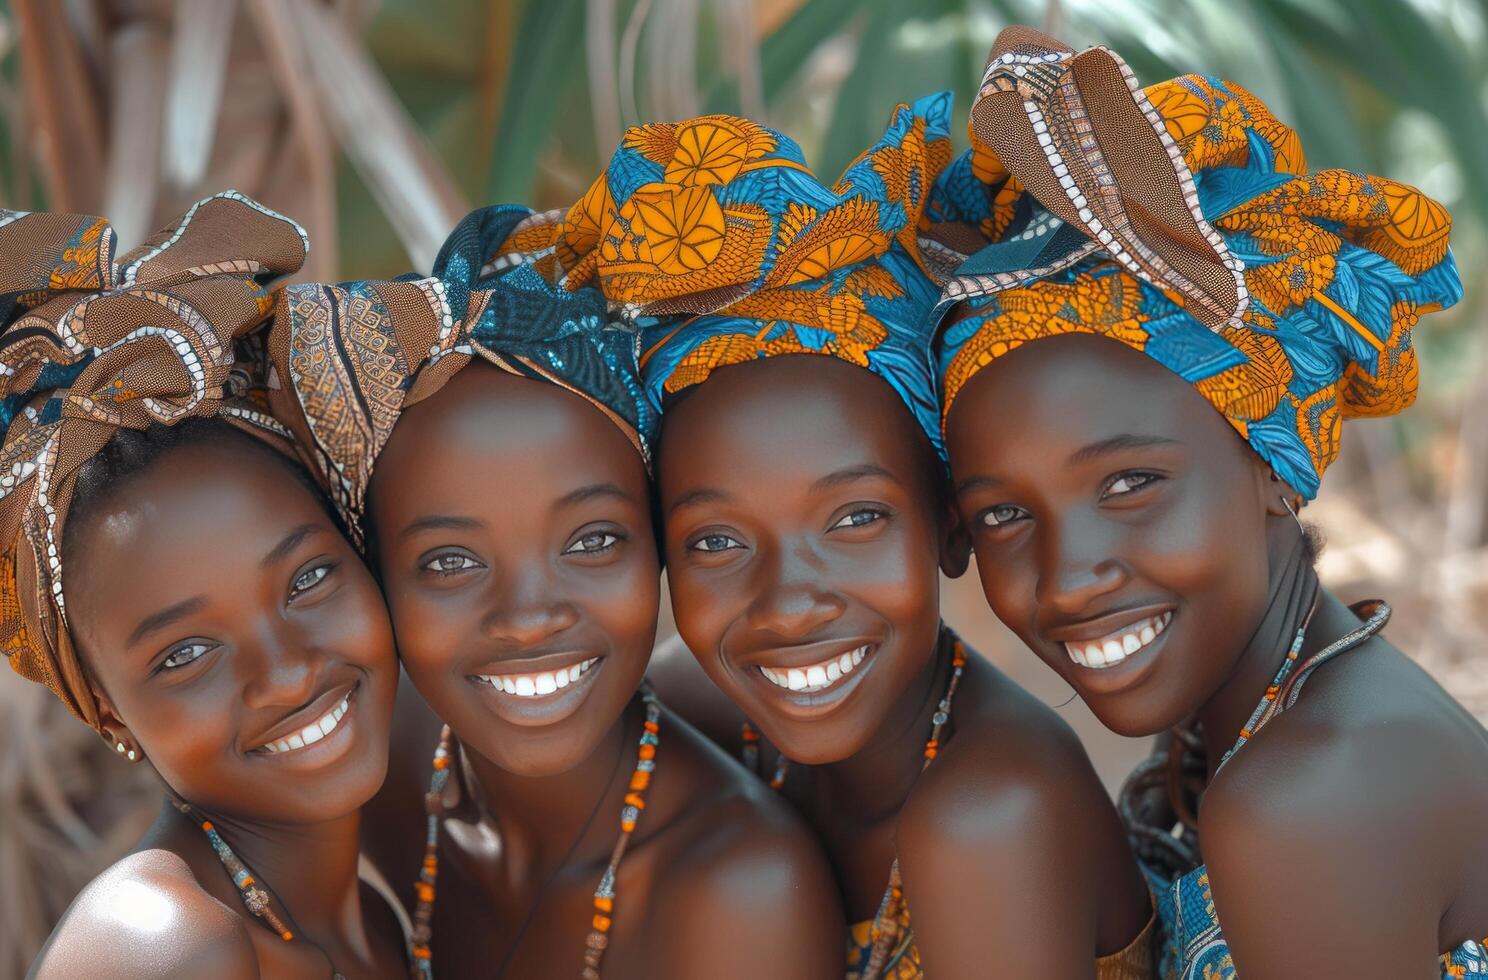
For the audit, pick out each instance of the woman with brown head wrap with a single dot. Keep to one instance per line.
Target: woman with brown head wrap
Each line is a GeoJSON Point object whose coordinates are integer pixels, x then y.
{"type": "Point", "coordinates": [1151, 356]}
{"type": "Point", "coordinates": [174, 577]}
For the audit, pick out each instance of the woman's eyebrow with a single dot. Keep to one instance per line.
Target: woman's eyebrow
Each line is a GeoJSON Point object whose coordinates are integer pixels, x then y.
{"type": "Point", "coordinates": [287, 544]}
{"type": "Point", "coordinates": [851, 474]}
{"type": "Point", "coordinates": [158, 621]}
{"type": "Point", "coordinates": [702, 495]}
{"type": "Point", "coordinates": [434, 522]}
{"type": "Point", "coordinates": [590, 492]}
{"type": "Point", "coordinates": [1116, 444]}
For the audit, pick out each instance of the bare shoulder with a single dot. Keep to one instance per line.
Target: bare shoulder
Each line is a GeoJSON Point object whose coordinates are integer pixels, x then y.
{"type": "Point", "coordinates": [147, 917]}
{"type": "Point", "coordinates": [730, 818]}
{"type": "Point", "coordinates": [1360, 792]}
{"type": "Point", "coordinates": [746, 888]}
{"type": "Point", "coordinates": [1012, 767]}
{"type": "Point", "coordinates": [1373, 737]}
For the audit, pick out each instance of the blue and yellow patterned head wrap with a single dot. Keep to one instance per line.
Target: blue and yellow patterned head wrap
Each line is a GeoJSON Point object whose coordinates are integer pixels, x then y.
{"type": "Point", "coordinates": [348, 359]}
{"type": "Point", "coordinates": [724, 247]}
{"type": "Point", "coordinates": [1182, 221]}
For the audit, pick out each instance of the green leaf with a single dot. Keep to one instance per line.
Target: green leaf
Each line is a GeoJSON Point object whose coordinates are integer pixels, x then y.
{"type": "Point", "coordinates": [547, 62]}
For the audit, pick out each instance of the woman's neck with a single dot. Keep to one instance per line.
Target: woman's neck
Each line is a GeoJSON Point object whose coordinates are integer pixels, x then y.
{"type": "Point", "coordinates": [311, 869]}
{"type": "Point", "coordinates": [873, 783]}
{"type": "Point", "coordinates": [544, 821]}
{"type": "Point", "coordinates": [1294, 590]}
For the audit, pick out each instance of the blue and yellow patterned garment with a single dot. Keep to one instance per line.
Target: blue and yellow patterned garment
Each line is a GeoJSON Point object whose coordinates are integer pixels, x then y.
{"type": "Point", "coordinates": [350, 358]}
{"type": "Point", "coordinates": [1285, 297]}
{"type": "Point", "coordinates": [724, 246]}
{"type": "Point", "coordinates": [1195, 949]}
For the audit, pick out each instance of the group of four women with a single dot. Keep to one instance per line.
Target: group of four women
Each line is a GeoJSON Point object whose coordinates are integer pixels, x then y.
{"type": "Point", "coordinates": [1108, 349]}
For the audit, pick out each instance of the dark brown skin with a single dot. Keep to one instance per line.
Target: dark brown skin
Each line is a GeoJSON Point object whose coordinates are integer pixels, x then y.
{"type": "Point", "coordinates": [804, 518]}
{"type": "Point", "coordinates": [513, 530]}
{"type": "Point", "coordinates": [283, 618]}
{"type": "Point", "coordinates": [1108, 488]}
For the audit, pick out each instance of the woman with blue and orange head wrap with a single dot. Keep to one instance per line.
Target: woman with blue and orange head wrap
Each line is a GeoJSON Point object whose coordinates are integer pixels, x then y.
{"type": "Point", "coordinates": [485, 430]}
{"type": "Point", "coordinates": [806, 527]}
{"type": "Point", "coordinates": [175, 577]}
{"type": "Point", "coordinates": [1159, 254]}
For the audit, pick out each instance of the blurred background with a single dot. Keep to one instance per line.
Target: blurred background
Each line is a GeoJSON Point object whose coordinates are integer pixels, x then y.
{"type": "Point", "coordinates": [379, 124]}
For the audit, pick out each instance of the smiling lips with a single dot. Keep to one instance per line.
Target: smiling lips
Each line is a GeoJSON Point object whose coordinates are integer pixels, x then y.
{"type": "Point", "coordinates": [1113, 648]}
{"type": "Point", "coordinates": [538, 684]}
{"type": "Point", "coordinates": [817, 677]}
{"type": "Point", "coordinates": [313, 732]}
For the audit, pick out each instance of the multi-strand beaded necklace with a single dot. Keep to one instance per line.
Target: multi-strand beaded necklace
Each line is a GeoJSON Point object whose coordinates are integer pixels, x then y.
{"type": "Point", "coordinates": [891, 908]}
{"type": "Point", "coordinates": [604, 895]}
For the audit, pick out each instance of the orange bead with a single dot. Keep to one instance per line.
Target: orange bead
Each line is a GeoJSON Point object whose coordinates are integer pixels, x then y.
{"type": "Point", "coordinates": [648, 751]}
{"type": "Point", "coordinates": [626, 826]}
{"type": "Point", "coordinates": [604, 904]}
{"type": "Point", "coordinates": [651, 727]}
{"type": "Point", "coordinates": [286, 935]}
{"type": "Point", "coordinates": [421, 953]}
{"type": "Point", "coordinates": [640, 780]}
{"type": "Point", "coordinates": [247, 882]}
{"type": "Point", "coordinates": [602, 923]}
{"type": "Point", "coordinates": [425, 891]}
{"type": "Point", "coordinates": [441, 763]}
{"type": "Point", "coordinates": [206, 825]}
{"type": "Point", "coordinates": [636, 801]}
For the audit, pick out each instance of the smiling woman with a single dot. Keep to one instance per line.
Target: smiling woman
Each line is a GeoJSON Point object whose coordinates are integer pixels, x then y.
{"type": "Point", "coordinates": [497, 461]}
{"type": "Point", "coordinates": [215, 622]}
{"type": "Point", "coordinates": [1145, 376]}
{"type": "Point", "coordinates": [806, 526]}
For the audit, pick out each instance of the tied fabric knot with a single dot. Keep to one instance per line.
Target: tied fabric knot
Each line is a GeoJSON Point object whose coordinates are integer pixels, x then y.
{"type": "Point", "coordinates": [716, 239]}
{"type": "Point", "coordinates": [1182, 220]}
{"type": "Point", "coordinates": [350, 358]}
{"type": "Point", "coordinates": [92, 344]}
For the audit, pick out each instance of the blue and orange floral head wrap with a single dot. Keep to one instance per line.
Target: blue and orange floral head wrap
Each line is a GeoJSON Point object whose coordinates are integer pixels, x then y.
{"type": "Point", "coordinates": [1182, 221]}
{"type": "Point", "coordinates": [349, 358]}
{"type": "Point", "coordinates": [720, 243]}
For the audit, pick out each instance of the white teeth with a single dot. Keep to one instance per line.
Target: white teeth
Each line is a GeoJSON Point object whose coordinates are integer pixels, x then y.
{"type": "Point", "coordinates": [539, 684]}
{"type": "Point", "coordinates": [1113, 649]}
{"type": "Point", "coordinates": [313, 732]}
{"type": "Point", "coordinates": [816, 677]}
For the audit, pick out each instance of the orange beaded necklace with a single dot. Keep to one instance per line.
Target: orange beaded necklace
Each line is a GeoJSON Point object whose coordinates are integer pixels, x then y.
{"type": "Point", "coordinates": [604, 895]}
{"type": "Point", "coordinates": [891, 908]}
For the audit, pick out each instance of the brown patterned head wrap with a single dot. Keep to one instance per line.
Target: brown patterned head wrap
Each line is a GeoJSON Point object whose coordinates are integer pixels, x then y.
{"type": "Point", "coordinates": [348, 359]}
{"type": "Point", "coordinates": [1182, 221]}
{"type": "Point", "coordinates": [91, 345]}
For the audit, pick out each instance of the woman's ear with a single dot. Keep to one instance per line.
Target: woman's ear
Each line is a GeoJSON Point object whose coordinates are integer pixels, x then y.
{"type": "Point", "coordinates": [115, 732]}
{"type": "Point", "coordinates": [1282, 499]}
{"type": "Point", "coordinates": [955, 544]}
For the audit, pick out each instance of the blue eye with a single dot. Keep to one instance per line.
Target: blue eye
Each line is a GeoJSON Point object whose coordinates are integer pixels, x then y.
{"type": "Point", "coordinates": [184, 654]}
{"type": "Point", "coordinates": [1001, 515]}
{"type": "Point", "coordinates": [1128, 483]}
{"type": "Point", "coordinates": [309, 579]}
{"type": "Point", "coordinates": [861, 517]}
{"type": "Point", "coordinates": [715, 542]}
{"type": "Point", "coordinates": [593, 543]}
{"type": "Point", "coordinates": [450, 563]}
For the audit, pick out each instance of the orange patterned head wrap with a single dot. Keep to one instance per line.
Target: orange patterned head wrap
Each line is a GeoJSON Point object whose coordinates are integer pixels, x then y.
{"type": "Point", "coordinates": [1182, 221]}
{"type": "Point", "coordinates": [92, 345]}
